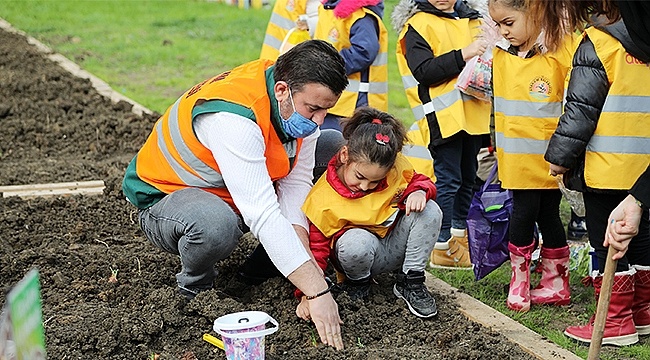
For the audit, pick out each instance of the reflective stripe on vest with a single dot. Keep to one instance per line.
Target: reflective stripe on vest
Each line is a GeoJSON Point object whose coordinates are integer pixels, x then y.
{"type": "Point", "coordinates": [527, 108]}
{"type": "Point", "coordinates": [207, 177]}
{"type": "Point", "coordinates": [623, 103]}
{"type": "Point", "coordinates": [283, 23]}
{"type": "Point", "coordinates": [520, 145]}
{"type": "Point", "coordinates": [373, 88]}
{"type": "Point", "coordinates": [619, 144]}
{"type": "Point", "coordinates": [417, 151]}
{"type": "Point", "coordinates": [184, 152]}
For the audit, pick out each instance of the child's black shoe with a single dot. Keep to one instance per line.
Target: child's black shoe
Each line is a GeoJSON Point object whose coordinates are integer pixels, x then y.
{"type": "Point", "coordinates": [410, 288]}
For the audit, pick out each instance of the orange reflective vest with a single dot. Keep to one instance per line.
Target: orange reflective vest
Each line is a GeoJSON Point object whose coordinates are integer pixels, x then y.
{"type": "Point", "coordinates": [172, 158]}
{"type": "Point", "coordinates": [330, 212]}
{"type": "Point", "coordinates": [619, 151]}
{"type": "Point", "coordinates": [337, 32]}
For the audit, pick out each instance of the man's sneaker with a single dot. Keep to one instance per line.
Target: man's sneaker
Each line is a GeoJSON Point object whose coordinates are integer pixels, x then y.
{"type": "Point", "coordinates": [453, 254]}
{"type": "Point", "coordinates": [577, 229]}
{"type": "Point", "coordinates": [411, 289]}
{"type": "Point", "coordinates": [356, 289]}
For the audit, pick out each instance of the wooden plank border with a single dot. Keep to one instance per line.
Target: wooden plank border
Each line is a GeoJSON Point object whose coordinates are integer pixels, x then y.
{"type": "Point", "coordinates": [100, 85]}
{"type": "Point", "coordinates": [94, 187]}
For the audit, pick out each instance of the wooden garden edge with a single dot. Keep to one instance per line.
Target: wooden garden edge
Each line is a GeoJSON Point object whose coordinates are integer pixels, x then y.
{"type": "Point", "coordinates": [100, 85]}
{"type": "Point", "coordinates": [93, 187]}
{"type": "Point", "coordinates": [475, 310]}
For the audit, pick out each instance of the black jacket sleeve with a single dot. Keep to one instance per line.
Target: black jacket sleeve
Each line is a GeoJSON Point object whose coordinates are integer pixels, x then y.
{"type": "Point", "coordinates": [430, 69]}
{"type": "Point", "coordinates": [641, 189]}
{"type": "Point", "coordinates": [588, 88]}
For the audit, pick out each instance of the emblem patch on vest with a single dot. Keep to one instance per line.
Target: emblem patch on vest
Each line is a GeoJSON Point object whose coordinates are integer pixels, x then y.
{"type": "Point", "coordinates": [290, 5]}
{"type": "Point", "coordinates": [397, 196]}
{"type": "Point", "coordinates": [333, 36]}
{"type": "Point", "coordinates": [540, 88]}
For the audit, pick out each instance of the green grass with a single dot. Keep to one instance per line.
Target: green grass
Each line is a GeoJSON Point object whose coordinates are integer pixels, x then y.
{"type": "Point", "coordinates": [548, 321]}
{"type": "Point", "coordinates": [152, 51]}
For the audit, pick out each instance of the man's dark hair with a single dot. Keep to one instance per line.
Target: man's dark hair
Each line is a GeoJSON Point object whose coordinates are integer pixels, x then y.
{"type": "Point", "coordinates": [312, 61]}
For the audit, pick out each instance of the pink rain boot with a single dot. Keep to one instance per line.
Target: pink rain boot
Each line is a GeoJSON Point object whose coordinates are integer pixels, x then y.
{"type": "Point", "coordinates": [554, 288]}
{"type": "Point", "coordinates": [519, 293]}
{"type": "Point", "coordinates": [641, 304]}
{"type": "Point", "coordinates": [619, 326]}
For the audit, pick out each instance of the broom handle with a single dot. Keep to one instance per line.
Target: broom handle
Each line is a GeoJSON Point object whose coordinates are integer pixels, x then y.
{"type": "Point", "coordinates": [603, 305]}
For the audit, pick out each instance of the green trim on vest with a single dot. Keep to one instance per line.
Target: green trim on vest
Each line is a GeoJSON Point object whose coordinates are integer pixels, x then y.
{"type": "Point", "coordinates": [215, 106]}
{"type": "Point", "coordinates": [139, 193]}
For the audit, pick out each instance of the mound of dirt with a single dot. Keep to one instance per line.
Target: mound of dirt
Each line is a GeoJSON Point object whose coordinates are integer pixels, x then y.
{"type": "Point", "coordinates": [57, 128]}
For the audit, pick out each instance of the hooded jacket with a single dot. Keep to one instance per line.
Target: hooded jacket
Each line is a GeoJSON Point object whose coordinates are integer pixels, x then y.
{"type": "Point", "coordinates": [362, 41]}
{"type": "Point", "coordinates": [588, 90]}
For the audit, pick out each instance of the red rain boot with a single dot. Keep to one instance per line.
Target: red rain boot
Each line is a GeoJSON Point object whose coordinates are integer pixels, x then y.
{"type": "Point", "coordinates": [554, 288]}
{"type": "Point", "coordinates": [641, 304]}
{"type": "Point", "coordinates": [619, 326]}
{"type": "Point", "coordinates": [519, 293]}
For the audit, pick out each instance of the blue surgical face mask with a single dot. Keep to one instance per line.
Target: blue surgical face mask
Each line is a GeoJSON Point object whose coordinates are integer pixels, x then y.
{"type": "Point", "coordinates": [297, 125]}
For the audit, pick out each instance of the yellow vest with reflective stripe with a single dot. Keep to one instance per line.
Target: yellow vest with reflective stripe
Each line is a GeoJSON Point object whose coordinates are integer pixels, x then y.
{"type": "Point", "coordinates": [528, 96]}
{"type": "Point", "coordinates": [619, 151]}
{"type": "Point", "coordinates": [454, 110]}
{"type": "Point", "coordinates": [173, 158]}
{"type": "Point", "coordinates": [337, 32]}
{"type": "Point", "coordinates": [417, 148]}
{"type": "Point", "coordinates": [331, 212]}
{"type": "Point", "coordinates": [284, 16]}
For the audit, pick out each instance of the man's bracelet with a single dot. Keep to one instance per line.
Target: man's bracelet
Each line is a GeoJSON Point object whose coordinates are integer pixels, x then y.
{"type": "Point", "coordinates": [639, 203]}
{"type": "Point", "coordinates": [329, 288]}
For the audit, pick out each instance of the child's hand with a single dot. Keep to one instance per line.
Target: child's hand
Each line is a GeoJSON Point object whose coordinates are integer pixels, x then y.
{"type": "Point", "coordinates": [302, 310]}
{"type": "Point", "coordinates": [478, 47]}
{"type": "Point", "coordinates": [416, 201]}
{"type": "Point", "coordinates": [556, 169]}
{"type": "Point", "coordinates": [302, 24]}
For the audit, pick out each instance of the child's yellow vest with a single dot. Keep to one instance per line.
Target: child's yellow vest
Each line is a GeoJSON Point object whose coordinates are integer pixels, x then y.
{"type": "Point", "coordinates": [619, 151]}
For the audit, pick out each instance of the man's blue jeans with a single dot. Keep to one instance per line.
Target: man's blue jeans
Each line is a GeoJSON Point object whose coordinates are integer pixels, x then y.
{"type": "Point", "coordinates": [199, 227]}
{"type": "Point", "coordinates": [455, 167]}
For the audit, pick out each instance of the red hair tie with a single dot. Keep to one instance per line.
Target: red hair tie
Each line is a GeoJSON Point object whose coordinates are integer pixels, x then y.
{"type": "Point", "coordinates": [382, 139]}
{"type": "Point", "coordinates": [376, 121]}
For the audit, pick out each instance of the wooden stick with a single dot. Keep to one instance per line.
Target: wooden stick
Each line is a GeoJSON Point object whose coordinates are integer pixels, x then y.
{"type": "Point", "coordinates": [603, 306]}
{"type": "Point", "coordinates": [54, 189]}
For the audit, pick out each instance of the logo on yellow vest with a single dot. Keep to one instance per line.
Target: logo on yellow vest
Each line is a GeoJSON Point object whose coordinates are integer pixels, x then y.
{"type": "Point", "coordinates": [398, 195]}
{"type": "Point", "coordinates": [540, 88]}
{"type": "Point", "coordinates": [333, 36]}
{"type": "Point", "coordinates": [290, 5]}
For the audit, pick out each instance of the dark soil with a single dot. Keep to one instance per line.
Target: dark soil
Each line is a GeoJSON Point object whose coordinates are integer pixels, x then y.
{"type": "Point", "coordinates": [57, 128]}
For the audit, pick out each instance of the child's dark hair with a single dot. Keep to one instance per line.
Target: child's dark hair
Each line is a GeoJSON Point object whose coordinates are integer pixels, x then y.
{"type": "Point", "coordinates": [373, 137]}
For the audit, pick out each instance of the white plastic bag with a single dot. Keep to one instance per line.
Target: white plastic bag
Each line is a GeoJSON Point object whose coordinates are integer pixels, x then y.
{"type": "Point", "coordinates": [574, 198]}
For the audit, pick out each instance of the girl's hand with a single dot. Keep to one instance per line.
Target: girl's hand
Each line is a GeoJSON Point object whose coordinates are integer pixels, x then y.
{"type": "Point", "coordinates": [478, 47]}
{"type": "Point", "coordinates": [416, 201]}
{"type": "Point", "coordinates": [557, 169]}
{"type": "Point", "coordinates": [302, 310]}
